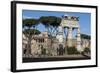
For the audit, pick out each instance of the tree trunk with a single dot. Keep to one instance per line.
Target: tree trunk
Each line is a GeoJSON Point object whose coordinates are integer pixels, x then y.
{"type": "Point", "coordinates": [28, 52]}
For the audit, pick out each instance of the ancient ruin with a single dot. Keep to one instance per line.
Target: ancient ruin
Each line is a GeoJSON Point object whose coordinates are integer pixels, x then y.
{"type": "Point", "coordinates": [43, 45]}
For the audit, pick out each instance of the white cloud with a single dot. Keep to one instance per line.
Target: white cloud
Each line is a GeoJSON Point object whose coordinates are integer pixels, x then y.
{"type": "Point", "coordinates": [27, 17]}
{"type": "Point", "coordinates": [66, 14]}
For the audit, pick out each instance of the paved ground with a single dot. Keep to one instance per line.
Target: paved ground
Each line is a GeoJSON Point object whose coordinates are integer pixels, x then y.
{"type": "Point", "coordinates": [68, 56]}
{"type": "Point", "coordinates": [56, 58]}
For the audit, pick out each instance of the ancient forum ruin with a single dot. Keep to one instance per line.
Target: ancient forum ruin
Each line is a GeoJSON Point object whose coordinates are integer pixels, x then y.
{"type": "Point", "coordinates": [42, 44]}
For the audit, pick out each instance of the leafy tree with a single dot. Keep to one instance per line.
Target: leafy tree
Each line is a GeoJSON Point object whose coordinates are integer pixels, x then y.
{"type": "Point", "coordinates": [51, 24]}
{"type": "Point", "coordinates": [29, 23]}
{"type": "Point", "coordinates": [84, 36]}
{"type": "Point", "coordinates": [30, 32]}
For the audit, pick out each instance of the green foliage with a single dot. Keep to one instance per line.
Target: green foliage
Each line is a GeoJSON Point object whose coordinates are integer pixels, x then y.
{"type": "Point", "coordinates": [72, 50]}
{"type": "Point", "coordinates": [46, 51]}
{"type": "Point", "coordinates": [84, 36]}
{"type": "Point", "coordinates": [51, 23]}
{"type": "Point", "coordinates": [30, 22]}
{"type": "Point", "coordinates": [31, 31]}
{"type": "Point", "coordinates": [43, 51]}
{"type": "Point", "coordinates": [44, 20]}
{"type": "Point", "coordinates": [50, 20]}
{"type": "Point", "coordinates": [87, 50]}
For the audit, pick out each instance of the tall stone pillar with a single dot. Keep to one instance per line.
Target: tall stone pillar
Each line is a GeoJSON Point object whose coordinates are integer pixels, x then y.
{"type": "Point", "coordinates": [69, 37]}
{"type": "Point", "coordinates": [79, 48]}
{"type": "Point", "coordinates": [60, 35]}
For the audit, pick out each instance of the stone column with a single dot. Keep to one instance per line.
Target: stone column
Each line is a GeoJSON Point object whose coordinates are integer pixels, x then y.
{"type": "Point", "coordinates": [78, 46]}
{"type": "Point", "coordinates": [69, 37]}
{"type": "Point", "coordinates": [60, 32]}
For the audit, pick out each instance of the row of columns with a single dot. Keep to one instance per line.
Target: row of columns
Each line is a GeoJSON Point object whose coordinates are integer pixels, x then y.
{"type": "Point", "coordinates": [78, 39]}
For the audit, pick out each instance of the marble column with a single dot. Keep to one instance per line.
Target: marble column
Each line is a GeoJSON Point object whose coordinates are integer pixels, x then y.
{"type": "Point", "coordinates": [78, 46]}
{"type": "Point", "coordinates": [60, 34]}
{"type": "Point", "coordinates": [69, 37]}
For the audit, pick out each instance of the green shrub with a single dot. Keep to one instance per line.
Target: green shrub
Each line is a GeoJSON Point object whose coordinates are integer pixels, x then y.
{"type": "Point", "coordinates": [72, 50]}
{"type": "Point", "coordinates": [87, 50]}
{"type": "Point", "coordinates": [49, 53]}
